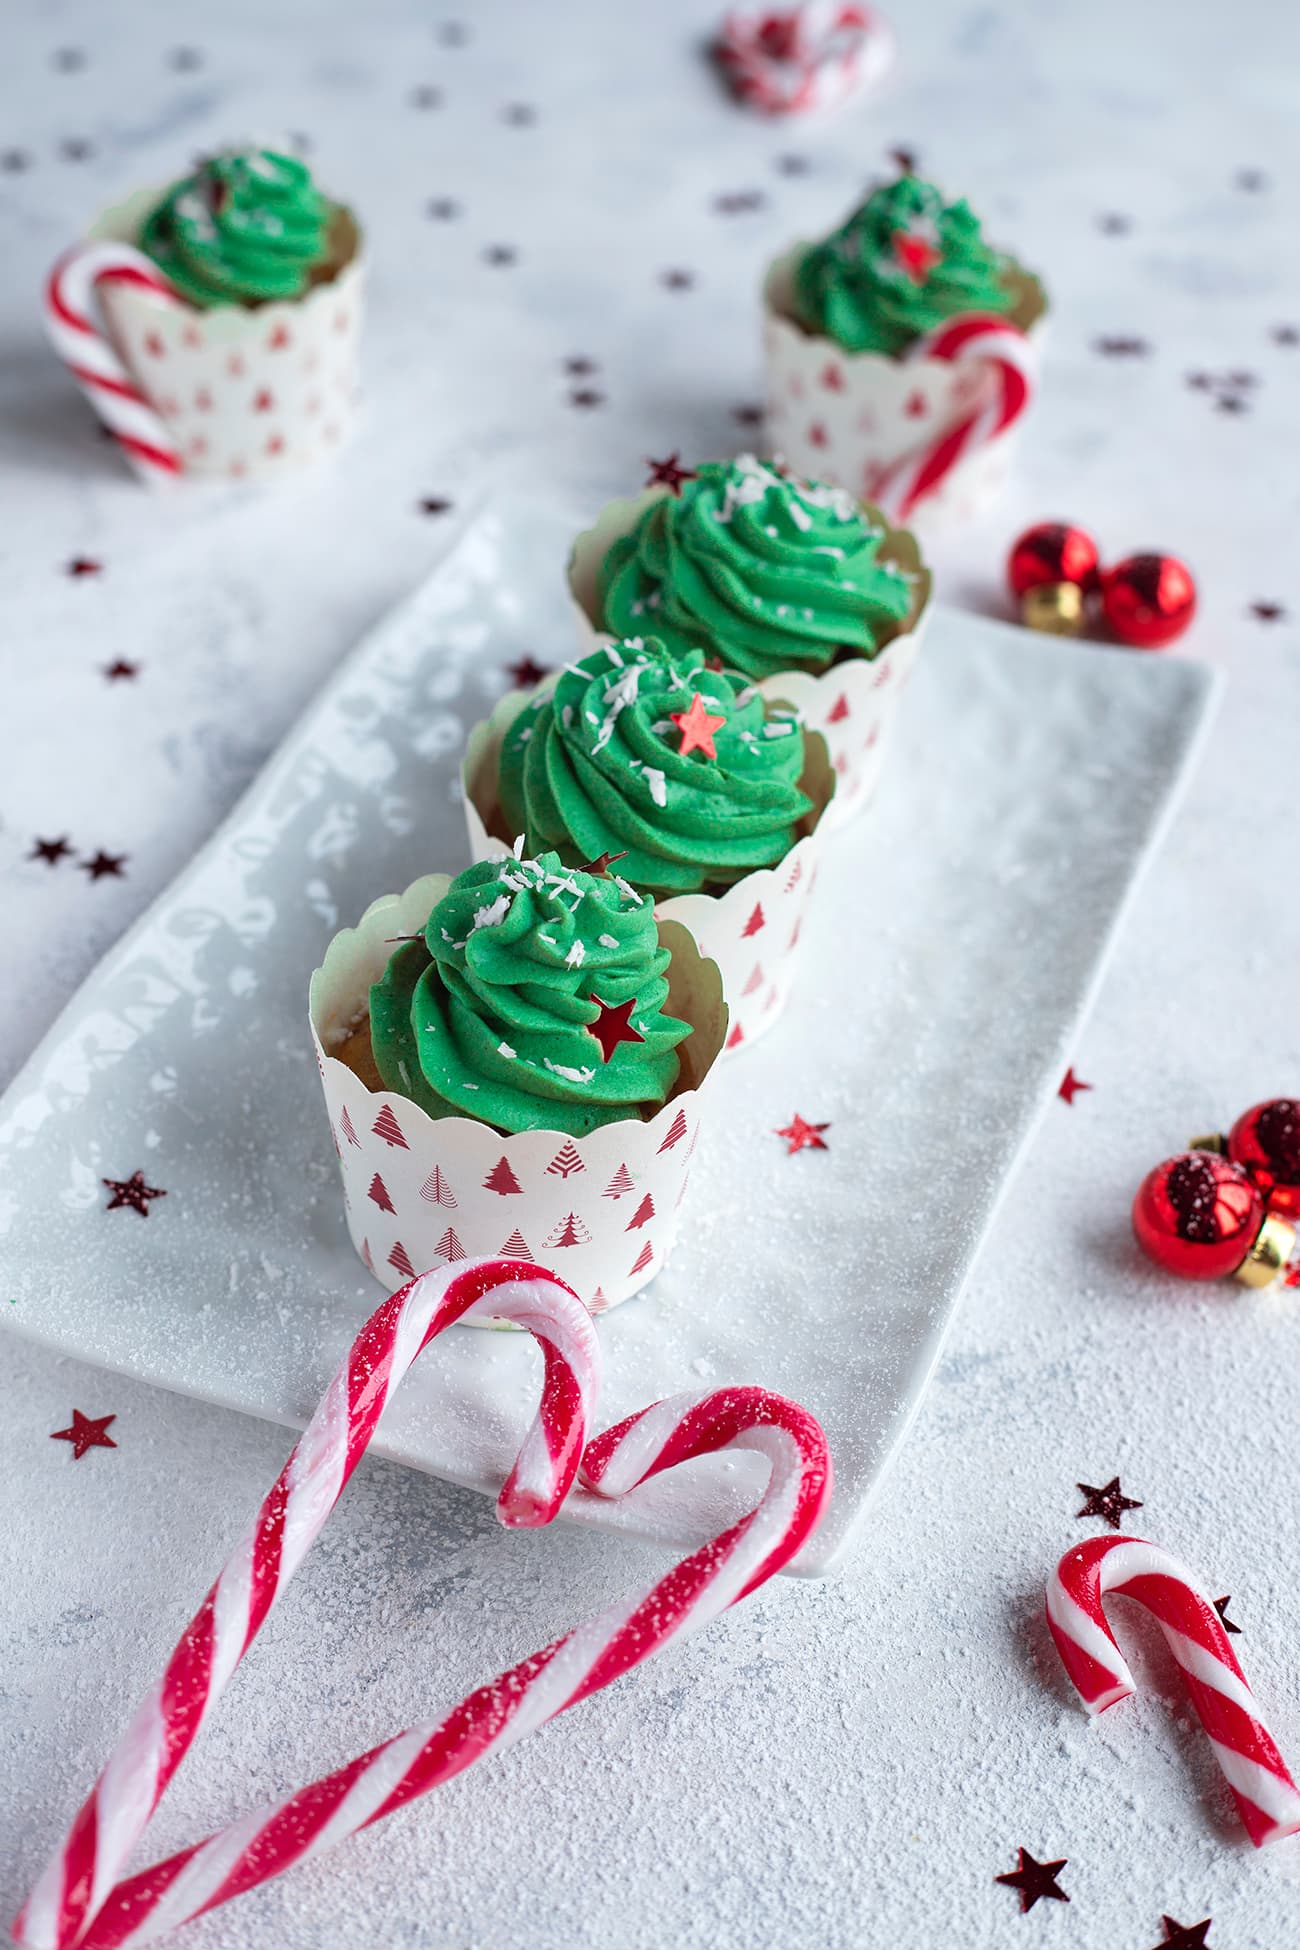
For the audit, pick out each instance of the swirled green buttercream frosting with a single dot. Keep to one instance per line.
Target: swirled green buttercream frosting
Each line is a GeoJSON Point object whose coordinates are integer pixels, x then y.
{"type": "Point", "coordinates": [248, 226]}
{"type": "Point", "coordinates": [513, 1007]}
{"type": "Point", "coordinates": [902, 264]}
{"type": "Point", "coordinates": [685, 770]}
{"type": "Point", "coordinates": [766, 571]}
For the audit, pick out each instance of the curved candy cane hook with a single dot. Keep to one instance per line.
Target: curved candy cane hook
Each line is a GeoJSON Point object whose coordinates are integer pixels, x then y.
{"type": "Point", "coordinates": [92, 359]}
{"type": "Point", "coordinates": [1127, 1567]}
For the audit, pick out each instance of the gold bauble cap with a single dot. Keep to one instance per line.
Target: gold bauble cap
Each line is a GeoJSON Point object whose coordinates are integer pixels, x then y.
{"type": "Point", "coordinates": [1055, 607]}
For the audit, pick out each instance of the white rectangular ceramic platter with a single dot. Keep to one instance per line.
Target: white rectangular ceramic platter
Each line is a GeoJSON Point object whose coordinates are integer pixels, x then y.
{"type": "Point", "coordinates": [958, 931]}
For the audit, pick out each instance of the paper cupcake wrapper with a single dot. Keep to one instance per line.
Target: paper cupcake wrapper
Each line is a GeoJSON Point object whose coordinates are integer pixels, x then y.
{"type": "Point", "coordinates": [420, 1192]}
{"type": "Point", "coordinates": [847, 417]}
{"type": "Point", "coordinates": [245, 394]}
{"type": "Point", "coordinates": [752, 931]}
{"type": "Point", "coordinates": [852, 704]}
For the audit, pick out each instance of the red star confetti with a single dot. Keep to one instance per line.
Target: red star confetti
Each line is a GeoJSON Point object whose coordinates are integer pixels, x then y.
{"type": "Point", "coordinates": [677, 280]}
{"type": "Point", "coordinates": [435, 504]}
{"type": "Point", "coordinates": [1109, 1502]}
{"type": "Point", "coordinates": [1183, 1936]}
{"type": "Point", "coordinates": [103, 865]}
{"type": "Point", "coordinates": [525, 671]}
{"type": "Point", "coordinates": [500, 254]}
{"type": "Point", "coordinates": [915, 252]}
{"type": "Point", "coordinates": [747, 416]}
{"type": "Point", "coordinates": [1071, 1086]}
{"type": "Point", "coordinates": [84, 565]}
{"type": "Point", "coordinates": [519, 115]}
{"type": "Point", "coordinates": [1121, 348]}
{"type": "Point", "coordinates": [1268, 612]}
{"type": "Point", "coordinates": [580, 367]}
{"type": "Point", "coordinates": [1251, 180]}
{"type": "Point", "coordinates": [600, 866]}
{"type": "Point", "coordinates": [132, 1192]}
{"type": "Point", "coordinates": [1034, 1880]}
{"type": "Point", "coordinates": [1221, 1606]}
{"type": "Point", "coordinates": [905, 161]}
{"type": "Point", "coordinates": [426, 97]}
{"type": "Point", "coordinates": [86, 1432]}
{"type": "Point", "coordinates": [442, 208]}
{"type": "Point", "coordinates": [586, 396]}
{"type": "Point", "coordinates": [614, 1026]}
{"type": "Point", "coordinates": [1114, 225]}
{"type": "Point", "coordinates": [737, 203]}
{"type": "Point", "coordinates": [668, 473]}
{"type": "Point", "coordinates": [1285, 335]}
{"type": "Point", "coordinates": [76, 149]}
{"type": "Point", "coordinates": [120, 667]}
{"type": "Point", "coordinates": [800, 1135]}
{"type": "Point", "coordinates": [697, 727]}
{"type": "Point", "coordinates": [50, 851]}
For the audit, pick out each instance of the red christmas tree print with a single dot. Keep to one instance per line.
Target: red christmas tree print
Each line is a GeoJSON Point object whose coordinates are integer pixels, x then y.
{"type": "Point", "coordinates": [643, 1259]}
{"type": "Point", "coordinates": [839, 710]}
{"type": "Point", "coordinates": [736, 1037]}
{"type": "Point", "coordinates": [755, 981]}
{"type": "Point", "coordinates": [571, 1233]}
{"type": "Point", "coordinates": [349, 1129]}
{"type": "Point", "coordinates": [337, 1151]}
{"type": "Point", "coordinates": [436, 1191]}
{"type": "Point", "coordinates": [515, 1247]}
{"type": "Point", "coordinates": [366, 1256]}
{"type": "Point", "coordinates": [682, 1193]}
{"type": "Point", "coordinates": [449, 1246]}
{"type": "Point", "coordinates": [644, 1212]}
{"type": "Point", "coordinates": [676, 1131]}
{"type": "Point", "coordinates": [599, 1301]}
{"type": "Point", "coordinates": [621, 1182]}
{"type": "Point", "coordinates": [566, 1161]}
{"type": "Point", "coordinates": [915, 406]}
{"type": "Point", "coordinates": [832, 377]}
{"type": "Point", "coordinates": [794, 938]}
{"type": "Point", "coordinates": [400, 1261]}
{"type": "Point", "coordinates": [379, 1193]}
{"type": "Point", "coordinates": [502, 1179]}
{"type": "Point", "coordinates": [795, 877]}
{"type": "Point", "coordinates": [387, 1127]}
{"type": "Point", "coordinates": [755, 921]}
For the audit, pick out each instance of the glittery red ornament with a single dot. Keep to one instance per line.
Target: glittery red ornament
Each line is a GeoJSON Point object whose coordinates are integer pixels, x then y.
{"type": "Point", "coordinates": [1266, 1141]}
{"type": "Point", "coordinates": [1198, 1215]}
{"type": "Point", "coordinates": [1054, 551]}
{"type": "Point", "coordinates": [1148, 600]}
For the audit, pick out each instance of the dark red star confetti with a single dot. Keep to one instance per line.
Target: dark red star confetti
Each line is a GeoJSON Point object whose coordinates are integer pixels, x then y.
{"type": "Point", "coordinates": [1250, 180]}
{"type": "Point", "coordinates": [1034, 1880]}
{"type": "Point", "coordinates": [525, 671]}
{"type": "Point", "coordinates": [84, 565]}
{"type": "Point", "coordinates": [436, 504]}
{"type": "Point", "coordinates": [1221, 1606]}
{"type": "Point", "coordinates": [1112, 224]}
{"type": "Point", "coordinates": [1230, 403]}
{"type": "Point", "coordinates": [1071, 1086]}
{"type": "Point", "coordinates": [120, 667]}
{"type": "Point", "coordinates": [747, 416]}
{"type": "Point", "coordinates": [1201, 382]}
{"type": "Point", "coordinates": [453, 33]}
{"type": "Point", "coordinates": [14, 161]}
{"type": "Point", "coordinates": [442, 208]}
{"type": "Point", "coordinates": [132, 1192]}
{"type": "Point", "coordinates": [738, 203]}
{"type": "Point", "coordinates": [426, 97]}
{"type": "Point", "coordinates": [1109, 1502]}
{"type": "Point", "coordinates": [586, 396]}
{"type": "Point", "coordinates": [87, 1432]}
{"type": "Point", "coordinates": [1268, 612]}
{"type": "Point", "coordinates": [69, 60]}
{"type": "Point", "coordinates": [50, 851]}
{"type": "Point", "coordinates": [1285, 335]}
{"type": "Point", "coordinates": [904, 160]}
{"type": "Point", "coordinates": [184, 60]}
{"type": "Point", "coordinates": [518, 115]}
{"type": "Point", "coordinates": [668, 473]}
{"type": "Point", "coordinates": [793, 165]}
{"type": "Point", "coordinates": [1121, 348]}
{"type": "Point", "coordinates": [800, 1135]}
{"type": "Point", "coordinates": [105, 866]}
{"type": "Point", "coordinates": [500, 254]}
{"type": "Point", "coordinates": [677, 280]}
{"type": "Point", "coordinates": [697, 725]}
{"type": "Point", "coordinates": [1184, 1936]}
{"type": "Point", "coordinates": [614, 1026]}
{"type": "Point", "coordinates": [600, 866]}
{"type": "Point", "coordinates": [580, 367]}
{"type": "Point", "coordinates": [76, 149]}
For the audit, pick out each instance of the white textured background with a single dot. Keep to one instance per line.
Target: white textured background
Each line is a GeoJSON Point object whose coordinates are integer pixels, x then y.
{"type": "Point", "coordinates": [845, 1763]}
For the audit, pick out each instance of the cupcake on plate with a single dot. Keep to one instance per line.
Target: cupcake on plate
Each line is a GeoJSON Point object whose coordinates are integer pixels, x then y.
{"type": "Point", "coordinates": [701, 793]}
{"type": "Point", "coordinates": [512, 1061]}
{"type": "Point", "coordinates": [847, 327]}
{"type": "Point", "coordinates": [232, 300]}
{"type": "Point", "coordinates": [813, 597]}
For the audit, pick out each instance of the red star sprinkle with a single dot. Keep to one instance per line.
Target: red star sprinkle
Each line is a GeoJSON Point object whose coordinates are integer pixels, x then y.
{"type": "Point", "coordinates": [600, 866]}
{"type": "Point", "coordinates": [101, 865]}
{"type": "Point", "coordinates": [1267, 612]}
{"type": "Point", "coordinates": [1034, 1880]}
{"type": "Point", "coordinates": [87, 1432]}
{"type": "Point", "coordinates": [1184, 1936]}
{"type": "Point", "coordinates": [800, 1134]}
{"type": "Point", "coordinates": [667, 473]}
{"type": "Point", "coordinates": [435, 504]}
{"type": "Point", "coordinates": [132, 1192]}
{"type": "Point", "coordinates": [1071, 1086]}
{"type": "Point", "coordinates": [614, 1026]}
{"type": "Point", "coordinates": [525, 671]}
{"type": "Point", "coordinates": [917, 255]}
{"type": "Point", "coordinates": [120, 667]}
{"type": "Point", "coordinates": [1109, 1502]}
{"type": "Point", "coordinates": [1221, 1606]}
{"type": "Point", "coordinates": [697, 727]}
{"type": "Point", "coordinates": [84, 565]}
{"type": "Point", "coordinates": [50, 851]}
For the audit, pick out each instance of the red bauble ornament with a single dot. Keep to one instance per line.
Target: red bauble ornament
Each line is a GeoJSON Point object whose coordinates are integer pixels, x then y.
{"type": "Point", "coordinates": [1198, 1215]}
{"type": "Point", "coordinates": [1265, 1140]}
{"type": "Point", "coordinates": [1053, 551]}
{"type": "Point", "coordinates": [1148, 600]}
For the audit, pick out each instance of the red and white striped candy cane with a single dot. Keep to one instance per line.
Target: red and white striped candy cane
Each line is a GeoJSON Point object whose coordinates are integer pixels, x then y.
{"type": "Point", "coordinates": [523, 1699]}
{"type": "Point", "coordinates": [90, 357]}
{"type": "Point", "coordinates": [77, 1887]}
{"type": "Point", "coordinates": [815, 55]}
{"type": "Point", "coordinates": [1126, 1567]}
{"type": "Point", "coordinates": [972, 339]}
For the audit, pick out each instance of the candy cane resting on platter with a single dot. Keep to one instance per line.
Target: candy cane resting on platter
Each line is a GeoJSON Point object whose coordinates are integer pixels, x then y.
{"type": "Point", "coordinates": [974, 338]}
{"type": "Point", "coordinates": [1243, 1746]}
{"type": "Point", "coordinates": [75, 1904]}
{"type": "Point", "coordinates": [91, 358]}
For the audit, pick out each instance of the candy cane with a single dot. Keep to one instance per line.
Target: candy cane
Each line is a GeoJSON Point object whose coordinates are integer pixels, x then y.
{"type": "Point", "coordinates": [1128, 1568]}
{"type": "Point", "coordinates": [809, 56]}
{"type": "Point", "coordinates": [78, 1884]}
{"type": "Point", "coordinates": [972, 339]}
{"type": "Point", "coordinates": [91, 359]}
{"type": "Point", "coordinates": [523, 1699]}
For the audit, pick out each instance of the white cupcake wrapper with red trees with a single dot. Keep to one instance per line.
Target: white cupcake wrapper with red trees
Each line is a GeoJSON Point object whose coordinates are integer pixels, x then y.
{"type": "Point", "coordinates": [235, 392]}
{"type": "Point", "coordinates": [928, 436]}
{"type": "Point", "coordinates": [422, 1192]}
{"type": "Point", "coordinates": [851, 704]}
{"type": "Point", "coordinates": [752, 931]}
